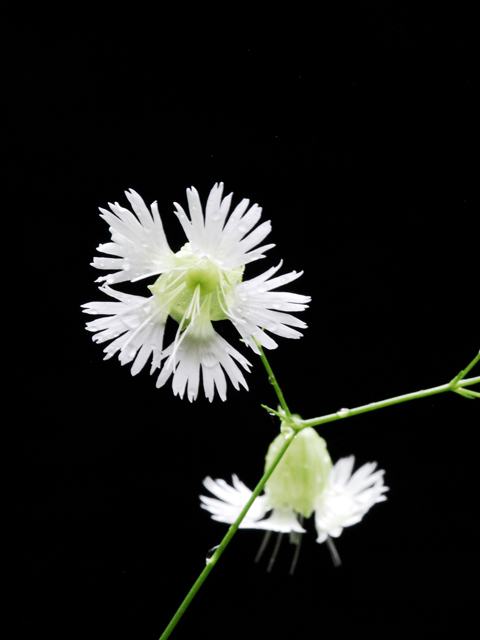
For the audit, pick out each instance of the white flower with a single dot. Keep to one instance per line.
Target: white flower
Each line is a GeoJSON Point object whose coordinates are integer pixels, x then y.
{"type": "Point", "coordinates": [346, 497]}
{"type": "Point", "coordinates": [200, 284]}
{"type": "Point", "coordinates": [303, 482]}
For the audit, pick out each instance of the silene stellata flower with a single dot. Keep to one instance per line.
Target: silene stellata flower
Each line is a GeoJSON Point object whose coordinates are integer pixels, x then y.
{"type": "Point", "coordinates": [304, 483]}
{"type": "Point", "coordinates": [200, 284]}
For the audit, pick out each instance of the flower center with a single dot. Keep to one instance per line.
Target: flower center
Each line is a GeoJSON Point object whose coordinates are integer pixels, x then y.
{"type": "Point", "coordinates": [193, 277]}
{"type": "Point", "coordinates": [204, 276]}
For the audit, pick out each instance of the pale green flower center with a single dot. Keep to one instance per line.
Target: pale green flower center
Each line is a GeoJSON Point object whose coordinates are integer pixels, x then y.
{"type": "Point", "coordinates": [204, 276]}
{"type": "Point", "coordinates": [195, 283]}
{"type": "Point", "coordinates": [301, 474]}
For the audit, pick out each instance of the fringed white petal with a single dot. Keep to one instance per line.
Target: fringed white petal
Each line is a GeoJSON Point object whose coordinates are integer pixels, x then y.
{"type": "Point", "coordinates": [230, 501]}
{"type": "Point", "coordinates": [202, 348]}
{"type": "Point", "coordinates": [347, 498]}
{"type": "Point", "coordinates": [135, 324]}
{"type": "Point", "coordinates": [257, 307]}
{"type": "Point", "coordinates": [138, 239]}
{"type": "Point", "coordinates": [228, 245]}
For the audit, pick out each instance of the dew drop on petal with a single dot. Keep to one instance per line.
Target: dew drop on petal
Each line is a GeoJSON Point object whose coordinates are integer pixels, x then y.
{"type": "Point", "coordinates": [244, 227]}
{"type": "Point", "coordinates": [209, 360]}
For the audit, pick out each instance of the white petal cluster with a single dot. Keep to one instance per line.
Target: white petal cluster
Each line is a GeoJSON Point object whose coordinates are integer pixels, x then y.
{"type": "Point", "coordinates": [138, 240]}
{"type": "Point", "coordinates": [347, 498]}
{"type": "Point", "coordinates": [200, 284]}
{"type": "Point", "coordinates": [135, 323]}
{"type": "Point", "coordinates": [343, 501]}
{"type": "Point", "coordinates": [228, 244]}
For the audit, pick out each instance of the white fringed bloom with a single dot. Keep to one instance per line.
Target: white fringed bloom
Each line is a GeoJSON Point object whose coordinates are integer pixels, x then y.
{"type": "Point", "coordinates": [346, 497]}
{"type": "Point", "coordinates": [200, 284]}
{"type": "Point", "coordinates": [303, 483]}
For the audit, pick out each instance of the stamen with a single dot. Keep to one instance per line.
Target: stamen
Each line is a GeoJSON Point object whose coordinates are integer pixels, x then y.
{"type": "Point", "coordinates": [179, 277]}
{"type": "Point", "coordinates": [265, 541]}
{"type": "Point", "coordinates": [189, 313]}
{"type": "Point", "coordinates": [146, 275]}
{"type": "Point", "coordinates": [173, 294]}
{"type": "Point", "coordinates": [275, 552]}
{"type": "Point", "coordinates": [333, 552]}
{"type": "Point", "coordinates": [193, 311]}
{"type": "Point", "coordinates": [139, 328]}
{"type": "Point", "coordinates": [297, 543]}
{"type": "Point", "coordinates": [296, 539]}
{"type": "Point", "coordinates": [156, 273]}
{"type": "Point", "coordinates": [127, 309]}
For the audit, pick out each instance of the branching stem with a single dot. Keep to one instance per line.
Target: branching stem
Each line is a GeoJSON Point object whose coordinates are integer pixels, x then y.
{"type": "Point", "coordinates": [457, 385]}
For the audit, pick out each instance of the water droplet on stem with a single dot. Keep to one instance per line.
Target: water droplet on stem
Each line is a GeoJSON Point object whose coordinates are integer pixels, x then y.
{"type": "Point", "coordinates": [209, 555]}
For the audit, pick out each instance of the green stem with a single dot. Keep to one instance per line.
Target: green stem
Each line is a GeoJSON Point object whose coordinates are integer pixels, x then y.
{"type": "Point", "coordinates": [467, 394]}
{"type": "Point", "coordinates": [273, 380]}
{"type": "Point", "coordinates": [348, 413]}
{"type": "Point", "coordinates": [464, 372]}
{"type": "Point", "coordinates": [211, 562]}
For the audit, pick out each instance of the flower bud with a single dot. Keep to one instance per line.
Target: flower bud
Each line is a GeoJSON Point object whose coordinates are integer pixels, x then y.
{"type": "Point", "coordinates": [301, 474]}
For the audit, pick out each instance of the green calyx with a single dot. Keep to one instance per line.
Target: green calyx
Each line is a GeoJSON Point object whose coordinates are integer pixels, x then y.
{"type": "Point", "coordinates": [302, 472]}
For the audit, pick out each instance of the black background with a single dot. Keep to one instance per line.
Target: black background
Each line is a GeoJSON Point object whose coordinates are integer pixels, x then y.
{"type": "Point", "coordinates": [352, 128]}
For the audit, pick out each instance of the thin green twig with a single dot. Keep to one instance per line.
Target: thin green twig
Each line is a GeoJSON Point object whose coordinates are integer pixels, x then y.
{"type": "Point", "coordinates": [349, 413]}
{"type": "Point", "coordinates": [272, 379]}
